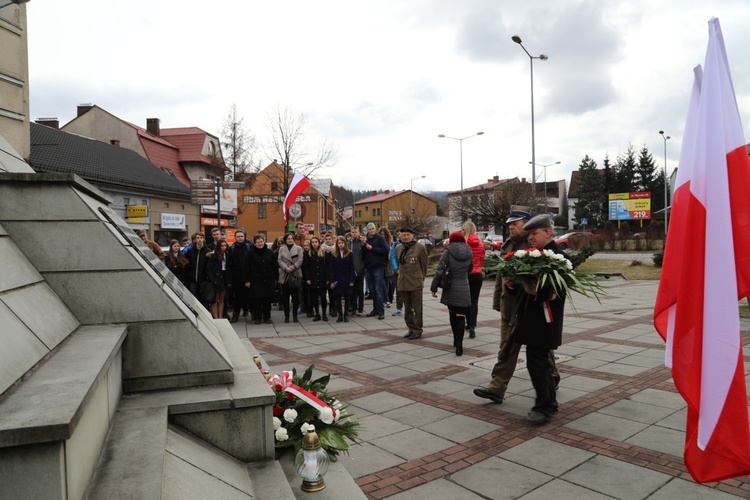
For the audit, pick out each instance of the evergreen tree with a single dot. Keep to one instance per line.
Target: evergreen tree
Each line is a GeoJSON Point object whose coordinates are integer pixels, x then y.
{"type": "Point", "coordinates": [625, 172]}
{"type": "Point", "coordinates": [645, 171]}
{"type": "Point", "coordinates": [589, 193]}
{"type": "Point", "coordinates": [608, 181]}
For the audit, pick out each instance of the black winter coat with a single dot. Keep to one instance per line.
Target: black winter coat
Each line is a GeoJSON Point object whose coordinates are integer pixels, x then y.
{"type": "Point", "coordinates": [198, 261]}
{"type": "Point", "coordinates": [215, 274]}
{"type": "Point", "coordinates": [263, 272]}
{"type": "Point", "coordinates": [314, 270]}
{"type": "Point", "coordinates": [341, 272]}
{"type": "Point", "coordinates": [238, 257]}
{"type": "Point", "coordinates": [533, 328]}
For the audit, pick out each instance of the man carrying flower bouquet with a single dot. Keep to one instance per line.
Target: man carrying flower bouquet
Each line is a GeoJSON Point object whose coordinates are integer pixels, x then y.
{"type": "Point", "coordinates": [540, 321]}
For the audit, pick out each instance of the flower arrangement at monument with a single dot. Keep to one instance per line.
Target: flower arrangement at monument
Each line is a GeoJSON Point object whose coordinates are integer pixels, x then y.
{"type": "Point", "coordinates": [546, 268]}
{"type": "Point", "coordinates": [302, 402]}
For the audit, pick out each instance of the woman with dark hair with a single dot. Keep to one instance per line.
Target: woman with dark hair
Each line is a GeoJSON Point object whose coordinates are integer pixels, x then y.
{"type": "Point", "coordinates": [455, 261]}
{"type": "Point", "coordinates": [390, 274]}
{"type": "Point", "coordinates": [177, 262]}
{"type": "Point", "coordinates": [276, 299]}
{"type": "Point", "coordinates": [218, 271]}
{"type": "Point", "coordinates": [290, 262]}
{"type": "Point", "coordinates": [341, 277]}
{"type": "Point", "coordinates": [476, 273]}
{"type": "Point", "coordinates": [314, 273]}
{"type": "Point", "coordinates": [263, 273]}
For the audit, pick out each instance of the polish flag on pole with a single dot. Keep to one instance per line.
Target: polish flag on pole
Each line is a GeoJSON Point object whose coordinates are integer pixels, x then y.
{"type": "Point", "coordinates": [705, 275]}
{"type": "Point", "coordinates": [298, 185]}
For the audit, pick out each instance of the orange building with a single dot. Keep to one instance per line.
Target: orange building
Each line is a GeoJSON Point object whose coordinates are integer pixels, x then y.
{"type": "Point", "coordinates": [391, 208]}
{"type": "Point", "coordinates": [260, 204]}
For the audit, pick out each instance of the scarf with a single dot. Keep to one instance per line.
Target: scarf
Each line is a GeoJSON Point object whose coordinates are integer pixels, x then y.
{"type": "Point", "coordinates": [407, 246]}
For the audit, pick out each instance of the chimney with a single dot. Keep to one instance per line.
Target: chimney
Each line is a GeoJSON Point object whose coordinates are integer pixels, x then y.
{"type": "Point", "coordinates": [373, 193]}
{"type": "Point", "coordinates": [496, 178]}
{"type": "Point", "coordinates": [523, 179]}
{"type": "Point", "coordinates": [152, 125]}
{"type": "Point", "coordinates": [83, 108]}
{"type": "Point", "coordinates": [49, 122]}
{"type": "Point", "coordinates": [387, 191]}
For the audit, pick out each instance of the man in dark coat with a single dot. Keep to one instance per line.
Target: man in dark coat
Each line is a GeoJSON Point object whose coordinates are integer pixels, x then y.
{"type": "Point", "coordinates": [238, 259]}
{"type": "Point", "coordinates": [197, 269]}
{"type": "Point", "coordinates": [375, 252]}
{"type": "Point", "coordinates": [412, 269]}
{"type": "Point", "coordinates": [540, 324]}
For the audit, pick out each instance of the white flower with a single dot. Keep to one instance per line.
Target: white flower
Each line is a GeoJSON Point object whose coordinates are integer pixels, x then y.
{"type": "Point", "coordinates": [568, 264]}
{"type": "Point", "coordinates": [535, 253]}
{"type": "Point", "coordinates": [559, 257]}
{"type": "Point", "coordinates": [290, 415]}
{"type": "Point", "coordinates": [276, 423]}
{"type": "Point", "coordinates": [520, 253]}
{"type": "Point", "coordinates": [281, 434]}
{"type": "Point", "coordinates": [326, 415]}
{"type": "Point", "coordinates": [337, 405]}
{"type": "Point", "coordinates": [550, 254]}
{"type": "Point", "coordinates": [305, 427]}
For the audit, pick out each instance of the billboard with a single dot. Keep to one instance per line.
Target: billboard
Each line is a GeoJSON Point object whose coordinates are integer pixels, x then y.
{"type": "Point", "coordinates": [630, 206]}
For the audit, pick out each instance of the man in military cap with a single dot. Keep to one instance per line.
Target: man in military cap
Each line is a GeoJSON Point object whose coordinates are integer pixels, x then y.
{"type": "Point", "coordinates": [412, 269]}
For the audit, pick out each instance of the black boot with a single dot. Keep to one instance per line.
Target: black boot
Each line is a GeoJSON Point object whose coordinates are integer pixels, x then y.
{"type": "Point", "coordinates": [286, 318]}
{"type": "Point", "coordinates": [294, 317]}
{"type": "Point", "coordinates": [472, 334]}
{"type": "Point", "coordinates": [457, 326]}
{"type": "Point", "coordinates": [325, 317]}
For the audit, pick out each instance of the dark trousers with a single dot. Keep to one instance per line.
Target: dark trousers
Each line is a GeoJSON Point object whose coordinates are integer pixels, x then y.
{"type": "Point", "coordinates": [475, 286]}
{"type": "Point", "coordinates": [286, 294]}
{"type": "Point", "coordinates": [262, 308]}
{"type": "Point", "coordinates": [458, 323]}
{"type": "Point", "coordinates": [304, 294]}
{"type": "Point", "coordinates": [358, 298]}
{"type": "Point", "coordinates": [241, 301]}
{"type": "Point", "coordinates": [540, 371]}
{"type": "Point", "coordinates": [337, 301]}
{"type": "Point", "coordinates": [318, 296]}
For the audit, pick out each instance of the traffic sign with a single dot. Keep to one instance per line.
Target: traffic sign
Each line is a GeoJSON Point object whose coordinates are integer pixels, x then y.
{"type": "Point", "coordinates": [584, 221]}
{"type": "Point", "coordinates": [233, 184]}
{"type": "Point", "coordinates": [202, 201]}
{"type": "Point", "coordinates": [202, 193]}
{"type": "Point", "coordinates": [202, 184]}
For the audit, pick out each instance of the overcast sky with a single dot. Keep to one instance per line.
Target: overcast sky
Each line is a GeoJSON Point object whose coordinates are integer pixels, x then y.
{"type": "Point", "coordinates": [383, 79]}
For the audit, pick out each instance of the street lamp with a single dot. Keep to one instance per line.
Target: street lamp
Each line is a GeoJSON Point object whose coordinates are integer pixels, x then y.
{"type": "Point", "coordinates": [461, 153]}
{"type": "Point", "coordinates": [666, 183]}
{"type": "Point", "coordinates": [541, 57]}
{"type": "Point", "coordinates": [411, 192]}
{"type": "Point", "coordinates": [545, 181]}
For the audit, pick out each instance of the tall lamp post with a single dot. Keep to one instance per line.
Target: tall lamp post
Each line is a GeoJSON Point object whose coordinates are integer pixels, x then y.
{"type": "Point", "coordinates": [666, 182]}
{"type": "Point", "coordinates": [411, 193]}
{"type": "Point", "coordinates": [541, 57]}
{"type": "Point", "coordinates": [545, 181]}
{"type": "Point", "coordinates": [461, 153]}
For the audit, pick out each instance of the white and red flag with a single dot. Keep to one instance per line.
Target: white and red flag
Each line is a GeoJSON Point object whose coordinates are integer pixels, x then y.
{"type": "Point", "coordinates": [298, 185]}
{"type": "Point", "coordinates": [706, 272]}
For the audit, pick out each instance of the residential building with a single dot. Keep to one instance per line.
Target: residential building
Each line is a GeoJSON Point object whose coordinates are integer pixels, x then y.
{"type": "Point", "coordinates": [391, 208]}
{"type": "Point", "coordinates": [14, 77]}
{"type": "Point", "coordinates": [260, 204]}
{"type": "Point", "coordinates": [142, 194]}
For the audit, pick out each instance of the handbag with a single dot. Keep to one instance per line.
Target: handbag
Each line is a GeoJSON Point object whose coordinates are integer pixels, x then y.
{"type": "Point", "coordinates": [207, 292]}
{"type": "Point", "coordinates": [445, 280]}
{"type": "Point", "coordinates": [293, 282]}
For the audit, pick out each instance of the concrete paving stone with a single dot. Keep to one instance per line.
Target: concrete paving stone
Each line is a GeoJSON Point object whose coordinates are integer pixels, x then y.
{"type": "Point", "coordinates": [376, 426]}
{"type": "Point", "coordinates": [426, 352]}
{"type": "Point", "coordinates": [366, 459]}
{"type": "Point", "coordinates": [473, 376]}
{"type": "Point", "coordinates": [445, 386]}
{"type": "Point", "coordinates": [412, 444]}
{"type": "Point", "coordinates": [643, 361]}
{"type": "Point", "coordinates": [654, 353]}
{"type": "Point", "coordinates": [381, 402]}
{"type": "Point", "coordinates": [403, 347]}
{"type": "Point", "coordinates": [676, 421]}
{"type": "Point", "coordinates": [338, 384]}
{"type": "Point", "coordinates": [377, 353]}
{"type": "Point", "coordinates": [587, 344]}
{"type": "Point", "coordinates": [394, 373]}
{"type": "Point", "coordinates": [601, 355]}
{"type": "Point", "coordinates": [498, 478]}
{"type": "Point", "coordinates": [417, 414]}
{"type": "Point", "coordinates": [360, 413]}
{"type": "Point", "coordinates": [565, 395]}
{"type": "Point", "coordinates": [439, 488]}
{"type": "Point", "coordinates": [515, 403]}
{"type": "Point", "coordinates": [586, 363]}
{"type": "Point", "coordinates": [568, 350]}
{"type": "Point", "coordinates": [546, 456]}
{"type": "Point", "coordinates": [616, 478]}
{"type": "Point", "coordinates": [686, 490]}
{"type": "Point", "coordinates": [651, 338]}
{"type": "Point", "coordinates": [557, 488]}
{"type": "Point", "coordinates": [424, 365]}
{"type": "Point", "coordinates": [607, 426]}
{"type": "Point", "coordinates": [341, 359]}
{"type": "Point", "coordinates": [637, 411]}
{"type": "Point", "coordinates": [585, 384]}
{"type": "Point", "coordinates": [290, 344]}
{"type": "Point", "coordinates": [626, 349]}
{"type": "Point", "coordinates": [313, 349]}
{"type": "Point", "coordinates": [620, 369]}
{"type": "Point", "coordinates": [660, 439]}
{"type": "Point", "coordinates": [184, 480]}
{"type": "Point", "coordinates": [366, 365]}
{"type": "Point", "coordinates": [619, 335]}
{"type": "Point", "coordinates": [327, 339]}
{"type": "Point", "coordinates": [459, 428]}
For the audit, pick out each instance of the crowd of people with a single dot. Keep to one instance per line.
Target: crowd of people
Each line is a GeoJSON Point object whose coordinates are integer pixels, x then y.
{"type": "Point", "coordinates": [332, 276]}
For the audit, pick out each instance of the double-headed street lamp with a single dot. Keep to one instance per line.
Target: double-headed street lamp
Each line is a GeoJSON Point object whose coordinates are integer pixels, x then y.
{"type": "Point", "coordinates": [541, 57]}
{"type": "Point", "coordinates": [411, 193]}
{"type": "Point", "coordinates": [461, 153]}
{"type": "Point", "coordinates": [545, 181]}
{"type": "Point", "coordinates": [666, 182]}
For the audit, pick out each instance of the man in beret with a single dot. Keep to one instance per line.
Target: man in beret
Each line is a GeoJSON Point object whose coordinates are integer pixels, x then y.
{"type": "Point", "coordinates": [375, 252]}
{"type": "Point", "coordinates": [412, 269]}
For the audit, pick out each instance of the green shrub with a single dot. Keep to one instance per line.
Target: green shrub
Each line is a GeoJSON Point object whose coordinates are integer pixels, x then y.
{"type": "Point", "coordinates": [658, 258]}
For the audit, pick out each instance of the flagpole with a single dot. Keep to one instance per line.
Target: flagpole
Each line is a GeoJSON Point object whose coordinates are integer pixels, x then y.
{"type": "Point", "coordinates": [666, 183]}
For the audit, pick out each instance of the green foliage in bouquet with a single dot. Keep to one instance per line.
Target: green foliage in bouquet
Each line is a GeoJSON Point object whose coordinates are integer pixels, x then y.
{"type": "Point", "coordinates": [292, 414]}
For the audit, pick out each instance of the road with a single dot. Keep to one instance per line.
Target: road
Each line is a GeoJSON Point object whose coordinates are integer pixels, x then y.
{"type": "Point", "coordinates": [642, 256]}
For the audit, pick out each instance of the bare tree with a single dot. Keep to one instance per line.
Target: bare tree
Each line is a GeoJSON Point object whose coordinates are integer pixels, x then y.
{"type": "Point", "coordinates": [490, 208]}
{"type": "Point", "coordinates": [238, 144]}
{"type": "Point", "coordinates": [420, 221]}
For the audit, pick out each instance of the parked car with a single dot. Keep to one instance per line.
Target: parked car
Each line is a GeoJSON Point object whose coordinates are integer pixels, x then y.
{"type": "Point", "coordinates": [493, 242]}
{"type": "Point", "coordinates": [566, 239]}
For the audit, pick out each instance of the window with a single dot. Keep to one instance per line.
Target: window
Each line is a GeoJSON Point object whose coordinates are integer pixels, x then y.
{"type": "Point", "coordinates": [262, 211]}
{"type": "Point", "coordinates": [274, 186]}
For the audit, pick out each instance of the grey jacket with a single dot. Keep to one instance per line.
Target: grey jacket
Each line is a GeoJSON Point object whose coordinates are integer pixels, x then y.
{"type": "Point", "coordinates": [458, 258]}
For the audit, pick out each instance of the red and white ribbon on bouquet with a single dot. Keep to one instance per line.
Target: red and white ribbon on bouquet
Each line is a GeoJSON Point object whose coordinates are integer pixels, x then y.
{"type": "Point", "coordinates": [284, 383]}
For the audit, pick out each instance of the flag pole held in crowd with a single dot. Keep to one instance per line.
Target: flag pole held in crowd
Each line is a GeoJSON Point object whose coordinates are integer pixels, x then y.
{"type": "Point", "coordinates": [704, 276]}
